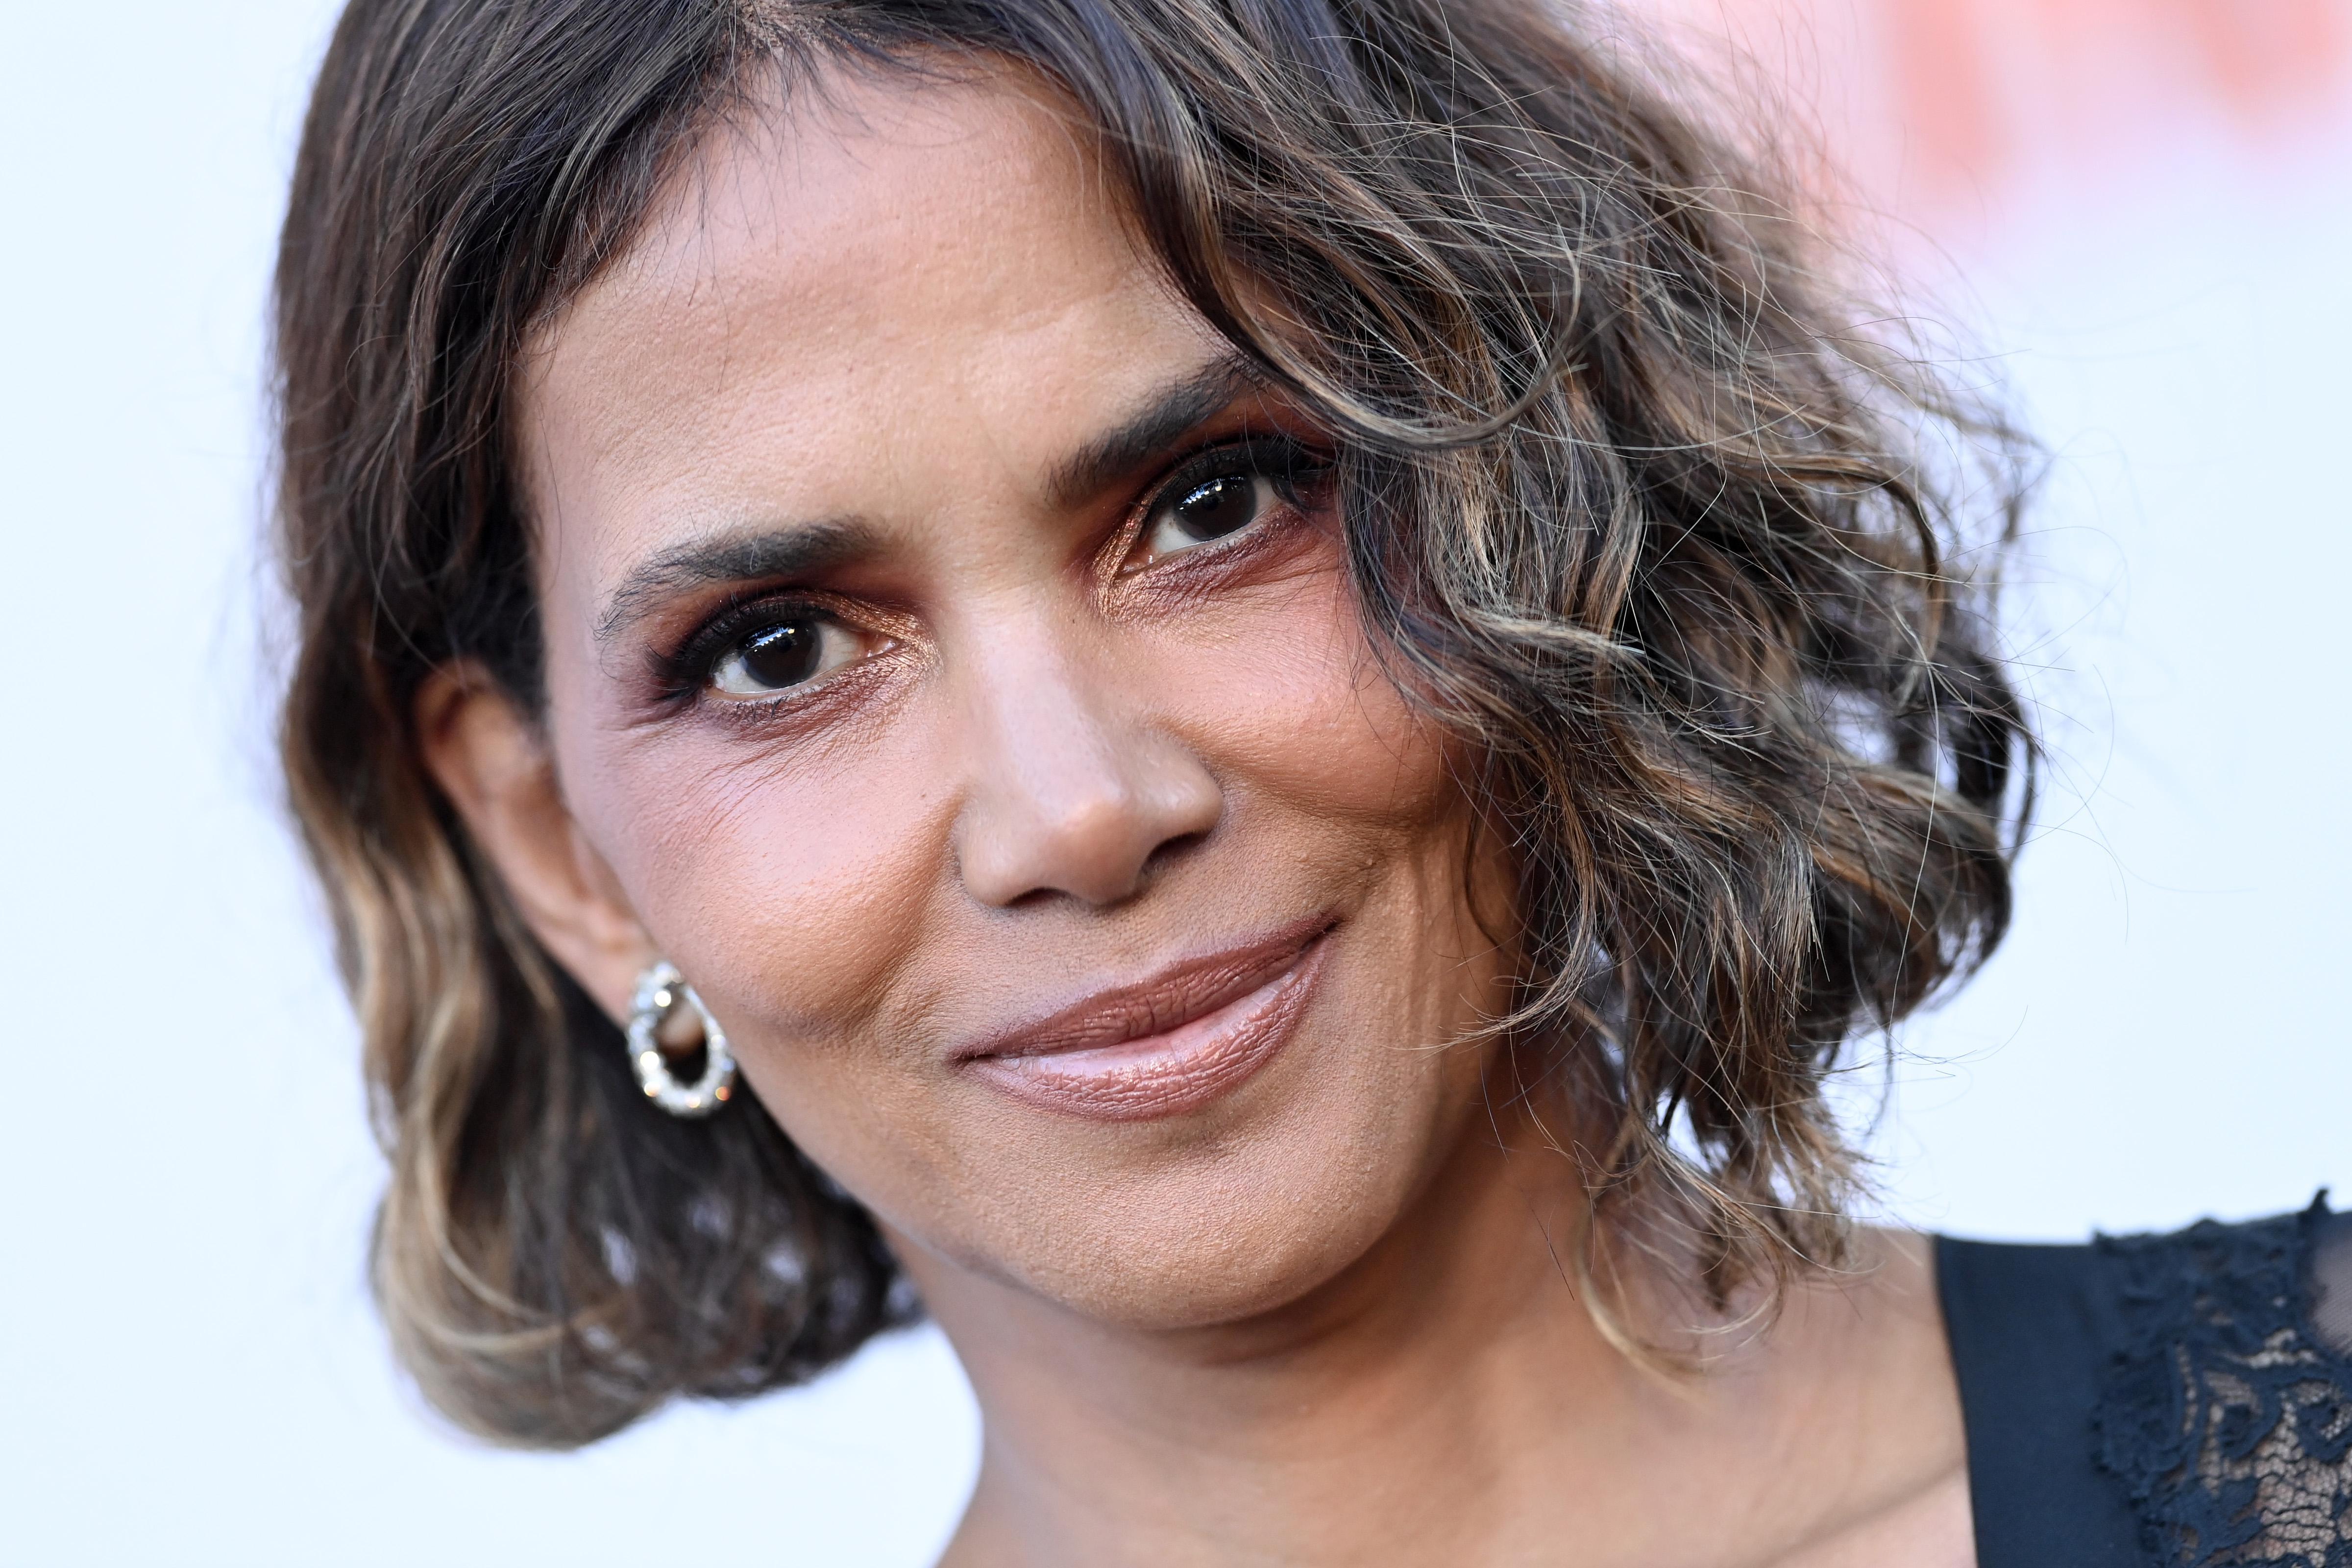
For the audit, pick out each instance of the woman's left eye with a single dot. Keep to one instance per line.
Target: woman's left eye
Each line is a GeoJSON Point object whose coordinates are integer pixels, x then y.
{"type": "Point", "coordinates": [1207, 502]}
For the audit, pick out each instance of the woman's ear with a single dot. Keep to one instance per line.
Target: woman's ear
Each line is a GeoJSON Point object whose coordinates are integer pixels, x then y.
{"type": "Point", "coordinates": [493, 766]}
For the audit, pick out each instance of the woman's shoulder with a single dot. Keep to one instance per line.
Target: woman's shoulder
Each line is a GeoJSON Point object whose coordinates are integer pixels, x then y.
{"type": "Point", "coordinates": [2183, 1398]}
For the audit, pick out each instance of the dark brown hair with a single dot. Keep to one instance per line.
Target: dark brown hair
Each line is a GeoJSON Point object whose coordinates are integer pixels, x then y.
{"type": "Point", "coordinates": [1630, 504]}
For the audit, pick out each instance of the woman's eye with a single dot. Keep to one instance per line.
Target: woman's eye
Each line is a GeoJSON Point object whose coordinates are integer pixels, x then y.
{"type": "Point", "coordinates": [1200, 510]}
{"type": "Point", "coordinates": [784, 654]}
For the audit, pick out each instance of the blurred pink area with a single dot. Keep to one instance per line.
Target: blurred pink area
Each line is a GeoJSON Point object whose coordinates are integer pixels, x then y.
{"type": "Point", "coordinates": [1947, 112]}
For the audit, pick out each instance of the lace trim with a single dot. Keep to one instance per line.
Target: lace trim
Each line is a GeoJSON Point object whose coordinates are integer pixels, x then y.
{"type": "Point", "coordinates": [2228, 1416]}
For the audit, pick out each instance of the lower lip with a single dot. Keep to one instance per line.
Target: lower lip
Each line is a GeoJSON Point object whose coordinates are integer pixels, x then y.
{"type": "Point", "coordinates": [1165, 1075]}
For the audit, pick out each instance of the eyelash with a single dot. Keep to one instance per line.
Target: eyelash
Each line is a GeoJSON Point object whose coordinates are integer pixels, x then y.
{"type": "Point", "coordinates": [684, 673]}
{"type": "Point", "coordinates": [681, 674]}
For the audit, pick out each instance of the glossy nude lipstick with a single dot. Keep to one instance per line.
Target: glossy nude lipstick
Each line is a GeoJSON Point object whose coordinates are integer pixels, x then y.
{"type": "Point", "coordinates": [1171, 1043]}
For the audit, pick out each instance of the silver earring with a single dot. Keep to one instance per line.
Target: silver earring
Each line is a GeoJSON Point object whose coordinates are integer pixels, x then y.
{"type": "Point", "coordinates": [661, 990]}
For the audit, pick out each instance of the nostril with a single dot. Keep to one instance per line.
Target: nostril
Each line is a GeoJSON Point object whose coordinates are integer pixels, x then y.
{"type": "Point", "coordinates": [1171, 852]}
{"type": "Point", "coordinates": [1101, 855]}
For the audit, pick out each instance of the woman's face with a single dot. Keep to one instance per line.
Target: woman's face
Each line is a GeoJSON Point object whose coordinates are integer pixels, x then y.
{"type": "Point", "coordinates": [951, 668]}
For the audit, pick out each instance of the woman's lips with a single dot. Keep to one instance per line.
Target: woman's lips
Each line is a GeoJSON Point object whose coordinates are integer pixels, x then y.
{"type": "Point", "coordinates": [1169, 1045]}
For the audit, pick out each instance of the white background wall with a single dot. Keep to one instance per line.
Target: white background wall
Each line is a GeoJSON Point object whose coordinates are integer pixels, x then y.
{"type": "Point", "coordinates": [189, 1370]}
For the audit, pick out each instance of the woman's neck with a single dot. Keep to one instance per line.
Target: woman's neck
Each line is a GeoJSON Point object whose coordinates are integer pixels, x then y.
{"type": "Point", "coordinates": [1448, 1399]}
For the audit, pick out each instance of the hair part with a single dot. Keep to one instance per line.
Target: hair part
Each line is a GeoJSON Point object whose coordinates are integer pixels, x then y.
{"type": "Point", "coordinates": [1631, 505]}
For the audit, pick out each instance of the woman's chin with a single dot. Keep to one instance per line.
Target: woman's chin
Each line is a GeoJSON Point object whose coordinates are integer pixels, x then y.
{"type": "Point", "coordinates": [1181, 1279]}
{"type": "Point", "coordinates": [1256, 1232]}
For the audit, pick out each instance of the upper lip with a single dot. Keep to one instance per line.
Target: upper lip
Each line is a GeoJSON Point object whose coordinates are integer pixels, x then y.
{"type": "Point", "coordinates": [1188, 989]}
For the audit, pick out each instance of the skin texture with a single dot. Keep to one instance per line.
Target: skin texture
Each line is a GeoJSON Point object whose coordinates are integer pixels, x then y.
{"type": "Point", "coordinates": [876, 355]}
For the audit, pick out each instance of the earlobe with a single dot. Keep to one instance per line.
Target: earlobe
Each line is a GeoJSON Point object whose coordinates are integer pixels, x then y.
{"type": "Point", "coordinates": [493, 765]}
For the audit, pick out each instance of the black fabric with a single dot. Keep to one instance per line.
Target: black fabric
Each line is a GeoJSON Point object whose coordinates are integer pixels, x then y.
{"type": "Point", "coordinates": [2180, 1400]}
{"type": "Point", "coordinates": [2034, 1332]}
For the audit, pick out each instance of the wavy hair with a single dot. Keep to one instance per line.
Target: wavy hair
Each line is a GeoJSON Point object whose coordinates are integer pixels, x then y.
{"type": "Point", "coordinates": [1632, 504]}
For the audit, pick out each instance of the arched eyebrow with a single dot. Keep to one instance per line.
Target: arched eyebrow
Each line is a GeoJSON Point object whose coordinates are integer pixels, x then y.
{"type": "Point", "coordinates": [1146, 434]}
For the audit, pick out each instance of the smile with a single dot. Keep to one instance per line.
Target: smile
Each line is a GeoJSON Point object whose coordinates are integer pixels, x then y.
{"type": "Point", "coordinates": [1169, 1045]}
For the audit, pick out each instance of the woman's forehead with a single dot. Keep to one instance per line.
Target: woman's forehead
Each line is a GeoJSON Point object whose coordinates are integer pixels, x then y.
{"type": "Point", "coordinates": [840, 301]}
{"type": "Point", "coordinates": [872, 214]}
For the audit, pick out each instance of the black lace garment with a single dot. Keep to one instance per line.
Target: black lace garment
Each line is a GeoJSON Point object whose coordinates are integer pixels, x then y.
{"type": "Point", "coordinates": [2179, 1400]}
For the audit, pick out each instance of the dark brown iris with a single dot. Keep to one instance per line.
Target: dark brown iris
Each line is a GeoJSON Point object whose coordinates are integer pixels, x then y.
{"type": "Point", "coordinates": [784, 656]}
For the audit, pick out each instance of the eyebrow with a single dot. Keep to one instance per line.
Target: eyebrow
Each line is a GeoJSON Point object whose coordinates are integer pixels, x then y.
{"type": "Point", "coordinates": [1149, 431]}
{"type": "Point", "coordinates": [790, 551]}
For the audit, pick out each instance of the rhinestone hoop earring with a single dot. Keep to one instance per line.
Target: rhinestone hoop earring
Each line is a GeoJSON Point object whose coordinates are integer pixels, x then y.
{"type": "Point", "coordinates": [661, 990]}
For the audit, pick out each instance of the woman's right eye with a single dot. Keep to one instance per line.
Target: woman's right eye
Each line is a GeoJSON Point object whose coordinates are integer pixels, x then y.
{"type": "Point", "coordinates": [784, 654]}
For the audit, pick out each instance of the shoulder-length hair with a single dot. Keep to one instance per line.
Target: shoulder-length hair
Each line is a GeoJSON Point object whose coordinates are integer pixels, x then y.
{"type": "Point", "coordinates": [1630, 504]}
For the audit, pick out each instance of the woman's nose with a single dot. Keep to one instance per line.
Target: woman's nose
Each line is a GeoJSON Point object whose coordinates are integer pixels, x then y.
{"type": "Point", "coordinates": [1073, 790]}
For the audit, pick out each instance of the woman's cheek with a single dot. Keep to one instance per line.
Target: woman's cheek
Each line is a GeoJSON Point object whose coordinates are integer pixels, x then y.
{"type": "Point", "coordinates": [787, 888]}
{"type": "Point", "coordinates": [1292, 704]}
